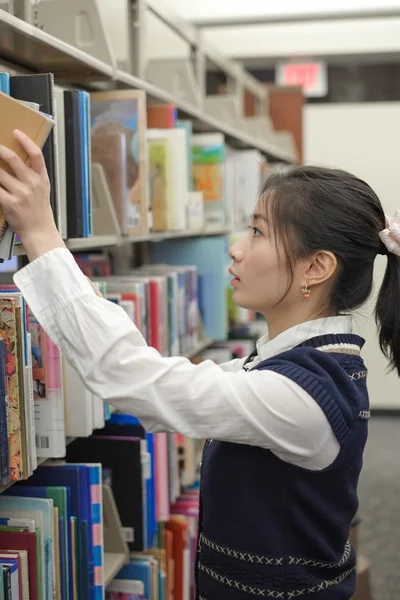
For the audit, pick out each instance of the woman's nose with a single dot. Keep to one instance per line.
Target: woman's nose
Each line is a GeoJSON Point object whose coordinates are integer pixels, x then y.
{"type": "Point", "coordinates": [236, 253]}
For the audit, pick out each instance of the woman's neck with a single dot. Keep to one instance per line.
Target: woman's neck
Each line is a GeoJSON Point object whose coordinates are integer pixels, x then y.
{"type": "Point", "coordinates": [278, 323]}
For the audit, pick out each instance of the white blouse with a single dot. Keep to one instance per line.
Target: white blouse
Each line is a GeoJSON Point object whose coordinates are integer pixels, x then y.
{"type": "Point", "coordinates": [225, 402]}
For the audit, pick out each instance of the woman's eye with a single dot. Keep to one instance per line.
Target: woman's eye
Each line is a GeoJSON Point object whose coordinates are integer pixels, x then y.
{"type": "Point", "coordinates": [255, 230]}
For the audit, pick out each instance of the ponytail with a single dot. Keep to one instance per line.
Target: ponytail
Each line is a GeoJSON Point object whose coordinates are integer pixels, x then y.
{"type": "Point", "coordinates": [387, 312]}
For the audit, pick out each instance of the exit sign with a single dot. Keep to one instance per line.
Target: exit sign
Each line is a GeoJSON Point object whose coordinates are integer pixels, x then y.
{"type": "Point", "coordinates": [311, 76]}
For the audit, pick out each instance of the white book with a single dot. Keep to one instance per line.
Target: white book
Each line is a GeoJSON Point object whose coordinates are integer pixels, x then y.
{"type": "Point", "coordinates": [247, 184]}
{"type": "Point", "coordinates": [98, 412]}
{"type": "Point", "coordinates": [62, 177]}
{"type": "Point", "coordinates": [177, 209]}
{"type": "Point", "coordinates": [47, 392]}
{"type": "Point", "coordinates": [29, 399]}
{"type": "Point", "coordinates": [78, 404]}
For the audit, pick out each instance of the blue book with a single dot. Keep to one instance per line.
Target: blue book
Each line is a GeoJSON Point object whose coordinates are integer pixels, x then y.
{"type": "Point", "coordinates": [210, 256]}
{"type": "Point", "coordinates": [63, 475]}
{"type": "Point", "coordinates": [84, 110]}
{"type": "Point", "coordinates": [140, 570]}
{"type": "Point", "coordinates": [5, 83]}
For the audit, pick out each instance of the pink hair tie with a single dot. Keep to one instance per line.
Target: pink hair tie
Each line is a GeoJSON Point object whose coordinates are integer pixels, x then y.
{"type": "Point", "coordinates": [390, 237]}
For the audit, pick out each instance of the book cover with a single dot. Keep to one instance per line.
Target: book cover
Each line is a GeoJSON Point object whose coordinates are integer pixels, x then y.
{"type": "Point", "coordinates": [39, 88]}
{"type": "Point", "coordinates": [162, 116]}
{"type": "Point", "coordinates": [121, 461]}
{"type": "Point", "coordinates": [73, 166]}
{"type": "Point", "coordinates": [187, 126]}
{"type": "Point", "coordinates": [48, 392]}
{"type": "Point", "coordinates": [208, 156]}
{"type": "Point", "coordinates": [33, 123]}
{"type": "Point", "coordinates": [59, 497]}
{"type": "Point", "coordinates": [84, 109]}
{"type": "Point", "coordinates": [109, 150]}
{"type": "Point", "coordinates": [125, 589]}
{"type": "Point", "coordinates": [24, 541]}
{"type": "Point", "coordinates": [8, 332]}
{"type": "Point", "coordinates": [124, 112]}
{"type": "Point", "coordinates": [176, 175]}
{"type": "Point", "coordinates": [160, 190]}
{"type": "Point", "coordinates": [4, 448]}
{"type": "Point", "coordinates": [62, 160]}
{"type": "Point", "coordinates": [208, 255]}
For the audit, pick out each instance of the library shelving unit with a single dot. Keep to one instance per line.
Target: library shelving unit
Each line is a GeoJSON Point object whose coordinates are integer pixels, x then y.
{"type": "Point", "coordinates": [44, 37]}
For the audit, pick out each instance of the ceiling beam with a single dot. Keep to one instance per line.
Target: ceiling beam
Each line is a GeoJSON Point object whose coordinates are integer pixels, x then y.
{"type": "Point", "coordinates": [298, 18]}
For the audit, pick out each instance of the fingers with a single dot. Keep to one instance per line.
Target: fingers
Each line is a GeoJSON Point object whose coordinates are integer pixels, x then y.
{"type": "Point", "coordinates": [10, 183]}
{"type": "Point", "coordinates": [15, 163]}
{"type": "Point", "coordinates": [33, 151]}
{"type": "Point", "coordinates": [6, 198]}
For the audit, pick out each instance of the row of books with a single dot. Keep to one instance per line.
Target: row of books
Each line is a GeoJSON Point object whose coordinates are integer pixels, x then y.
{"type": "Point", "coordinates": [43, 401]}
{"type": "Point", "coordinates": [218, 313]}
{"type": "Point", "coordinates": [53, 522]}
{"type": "Point", "coordinates": [161, 299]}
{"type": "Point", "coordinates": [117, 166]}
{"type": "Point", "coordinates": [52, 545]}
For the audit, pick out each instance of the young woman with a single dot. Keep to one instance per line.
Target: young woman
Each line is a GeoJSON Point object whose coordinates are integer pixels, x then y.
{"type": "Point", "coordinates": [286, 427]}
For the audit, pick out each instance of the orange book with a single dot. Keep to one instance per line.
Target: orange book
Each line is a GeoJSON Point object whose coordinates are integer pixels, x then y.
{"type": "Point", "coordinates": [168, 540]}
{"type": "Point", "coordinates": [179, 528]}
{"type": "Point", "coordinates": [162, 116]}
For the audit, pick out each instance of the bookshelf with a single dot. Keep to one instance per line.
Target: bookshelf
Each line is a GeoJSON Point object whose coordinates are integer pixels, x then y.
{"type": "Point", "coordinates": [202, 121]}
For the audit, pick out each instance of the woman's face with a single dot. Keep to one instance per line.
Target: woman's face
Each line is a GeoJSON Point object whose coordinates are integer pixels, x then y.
{"type": "Point", "coordinates": [261, 278]}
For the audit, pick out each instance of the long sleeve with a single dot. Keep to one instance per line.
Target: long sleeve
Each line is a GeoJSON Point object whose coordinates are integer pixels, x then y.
{"type": "Point", "coordinates": [260, 408]}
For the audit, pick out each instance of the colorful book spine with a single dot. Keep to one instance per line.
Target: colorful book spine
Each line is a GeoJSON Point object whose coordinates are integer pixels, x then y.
{"type": "Point", "coordinates": [97, 529]}
{"type": "Point", "coordinates": [8, 332]}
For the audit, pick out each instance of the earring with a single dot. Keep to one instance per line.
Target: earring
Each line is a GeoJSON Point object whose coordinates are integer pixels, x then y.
{"type": "Point", "coordinates": [306, 292]}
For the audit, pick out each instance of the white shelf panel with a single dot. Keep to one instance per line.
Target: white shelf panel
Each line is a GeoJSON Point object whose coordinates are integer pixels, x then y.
{"type": "Point", "coordinates": [29, 47]}
{"type": "Point", "coordinates": [96, 241]}
{"type": "Point", "coordinates": [112, 564]}
{"type": "Point", "coordinates": [107, 241]}
{"type": "Point", "coordinates": [172, 235]}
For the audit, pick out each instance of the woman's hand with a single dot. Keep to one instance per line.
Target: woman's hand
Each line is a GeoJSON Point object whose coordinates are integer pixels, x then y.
{"type": "Point", "coordinates": [25, 199]}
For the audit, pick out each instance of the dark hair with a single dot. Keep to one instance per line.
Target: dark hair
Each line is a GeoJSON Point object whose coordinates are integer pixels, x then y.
{"type": "Point", "coordinates": [314, 208]}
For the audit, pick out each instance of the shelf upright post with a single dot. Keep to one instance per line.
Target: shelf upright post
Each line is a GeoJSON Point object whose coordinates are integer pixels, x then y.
{"type": "Point", "coordinates": [137, 60]}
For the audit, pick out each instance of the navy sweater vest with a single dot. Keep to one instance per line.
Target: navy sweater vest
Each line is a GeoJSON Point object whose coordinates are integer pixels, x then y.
{"type": "Point", "coordinates": [270, 529]}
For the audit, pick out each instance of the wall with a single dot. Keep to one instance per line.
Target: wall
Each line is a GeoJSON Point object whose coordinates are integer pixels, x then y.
{"type": "Point", "coordinates": [364, 139]}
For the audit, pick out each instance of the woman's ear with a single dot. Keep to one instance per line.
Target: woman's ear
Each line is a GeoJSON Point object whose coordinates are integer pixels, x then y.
{"type": "Point", "coordinates": [321, 268]}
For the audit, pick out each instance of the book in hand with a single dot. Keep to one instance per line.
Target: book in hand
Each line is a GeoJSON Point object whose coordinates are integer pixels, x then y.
{"type": "Point", "coordinates": [34, 124]}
